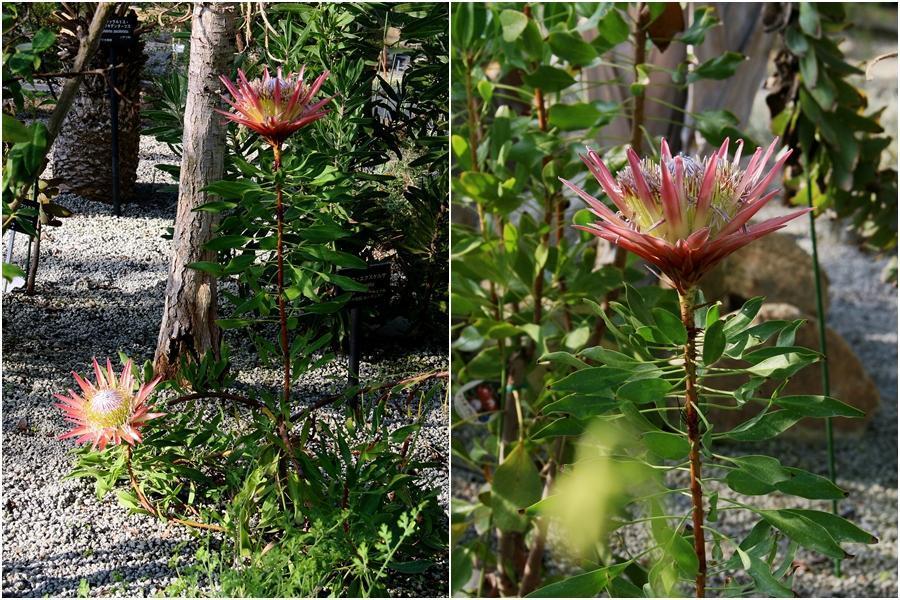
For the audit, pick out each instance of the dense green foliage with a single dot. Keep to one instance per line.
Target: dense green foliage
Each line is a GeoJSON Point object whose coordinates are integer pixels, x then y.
{"type": "Point", "coordinates": [361, 512]}
{"type": "Point", "coordinates": [563, 389]}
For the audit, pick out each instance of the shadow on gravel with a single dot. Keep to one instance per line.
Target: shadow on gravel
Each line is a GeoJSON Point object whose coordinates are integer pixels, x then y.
{"type": "Point", "coordinates": [121, 566]}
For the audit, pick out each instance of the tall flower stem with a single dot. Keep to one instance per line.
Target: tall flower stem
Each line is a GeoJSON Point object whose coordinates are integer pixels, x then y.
{"type": "Point", "coordinates": [686, 301]}
{"type": "Point", "coordinates": [823, 348]}
{"type": "Point", "coordinates": [282, 314]}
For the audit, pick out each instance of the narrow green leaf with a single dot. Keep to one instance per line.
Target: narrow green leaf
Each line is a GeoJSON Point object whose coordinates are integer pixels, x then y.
{"type": "Point", "coordinates": [840, 529]}
{"type": "Point", "coordinates": [818, 406]}
{"type": "Point", "coordinates": [713, 343]}
{"type": "Point", "coordinates": [804, 531]}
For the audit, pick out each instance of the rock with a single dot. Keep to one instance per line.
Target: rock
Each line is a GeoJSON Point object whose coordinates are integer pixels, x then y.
{"type": "Point", "coordinates": [774, 267]}
{"type": "Point", "coordinates": [848, 378]}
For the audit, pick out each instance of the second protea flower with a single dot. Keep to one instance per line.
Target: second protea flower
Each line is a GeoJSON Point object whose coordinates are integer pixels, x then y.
{"type": "Point", "coordinates": [275, 107]}
{"type": "Point", "coordinates": [685, 214]}
{"type": "Point", "coordinates": [108, 412]}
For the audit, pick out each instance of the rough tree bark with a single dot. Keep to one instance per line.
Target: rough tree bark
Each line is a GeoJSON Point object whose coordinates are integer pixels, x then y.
{"type": "Point", "coordinates": [188, 323]}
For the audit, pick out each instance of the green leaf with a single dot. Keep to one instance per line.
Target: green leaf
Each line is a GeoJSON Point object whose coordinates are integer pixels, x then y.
{"type": "Point", "coordinates": [818, 406]}
{"type": "Point", "coordinates": [216, 206]}
{"type": "Point", "coordinates": [713, 343]}
{"type": "Point", "coordinates": [11, 271]}
{"type": "Point", "coordinates": [549, 79]}
{"type": "Point", "coordinates": [42, 40]}
{"type": "Point", "coordinates": [744, 483]}
{"type": "Point", "coordinates": [344, 282]}
{"type": "Point", "coordinates": [517, 479]}
{"type": "Point", "coordinates": [460, 568]}
{"type": "Point", "coordinates": [809, 20]}
{"type": "Point", "coordinates": [683, 553]}
{"type": "Point", "coordinates": [563, 358]}
{"type": "Point", "coordinates": [704, 19]}
{"type": "Point", "coordinates": [720, 67]}
{"type": "Point", "coordinates": [572, 48]}
{"type": "Point", "coordinates": [566, 426]}
{"type": "Point", "coordinates": [513, 24]}
{"type": "Point", "coordinates": [593, 380]}
{"type": "Point", "coordinates": [795, 41]}
{"type": "Point", "coordinates": [737, 323]}
{"type": "Point", "coordinates": [712, 124]}
{"type": "Point", "coordinates": [214, 269]}
{"type": "Point", "coordinates": [804, 531]}
{"type": "Point", "coordinates": [611, 31]}
{"type": "Point", "coordinates": [670, 325]}
{"type": "Point", "coordinates": [840, 529]}
{"type": "Point", "coordinates": [581, 406]}
{"type": "Point", "coordinates": [764, 468]}
{"type": "Point", "coordinates": [14, 131]}
{"type": "Point", "coordinates": [768, 426]}
{"type": "Point", "coordinates": [765, 581]}
{"type": "Point", "coordinates": [226, 242]}
{"type": "Point", "coordinates": [783, 365]}
{"type": "Point", "coordinates": [808, 485]}
{"type": "Point", "coordinates": [573, 117]}
{"type": "Point", "coordinates": [644, 390]}
{"type": "Point", "coordinates": [586, 585]}
{"type": "Point", "coordinates": [671, 446]}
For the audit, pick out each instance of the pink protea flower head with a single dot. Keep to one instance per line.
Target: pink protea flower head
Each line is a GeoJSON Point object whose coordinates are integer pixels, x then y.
{"type": "Point", "coordinates": [274, 107]}
{"type": "Point", "coordinates": [685, 214]}
{"type": "Point", "coordinates": [108, 411]}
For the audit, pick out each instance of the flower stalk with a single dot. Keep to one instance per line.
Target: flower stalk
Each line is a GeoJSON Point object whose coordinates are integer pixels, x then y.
{"type": "Point", "coordinates": [281, 424]}
{"type": "Point", "coordinates": [691, 416]}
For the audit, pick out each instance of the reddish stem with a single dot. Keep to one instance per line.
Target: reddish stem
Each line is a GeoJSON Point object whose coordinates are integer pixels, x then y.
{"type": "Point", "coordinates": [282, 314]}
{"type": "Point", "coordinates": [686, 300]}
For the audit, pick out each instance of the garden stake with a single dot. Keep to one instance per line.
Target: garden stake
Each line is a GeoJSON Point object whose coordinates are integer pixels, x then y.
{"type": "Point", "coordinates": [823, 348]}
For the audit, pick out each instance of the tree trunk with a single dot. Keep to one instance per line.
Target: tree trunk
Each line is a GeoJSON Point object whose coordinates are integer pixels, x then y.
{"type": "Point", "coordinates": [89, 122]}
{"type": "Point", "coordinates": [188, 323]}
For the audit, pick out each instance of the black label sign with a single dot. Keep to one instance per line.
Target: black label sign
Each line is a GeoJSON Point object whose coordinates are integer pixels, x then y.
{"type": "Point", "coordinates": [119, 31]}
{"type": "Point", "coordinates": [377, 276]}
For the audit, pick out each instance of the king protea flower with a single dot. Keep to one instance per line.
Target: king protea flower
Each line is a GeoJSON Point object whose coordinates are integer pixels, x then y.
{"type": "Point", "coordinates": [109, 411]}
{"type": "Point", "coordinates": [275, 107]}
{"type": "Point", "coordinates": [685, 214]}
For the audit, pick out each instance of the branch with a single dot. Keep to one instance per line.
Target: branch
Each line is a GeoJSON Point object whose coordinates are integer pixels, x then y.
{"type": "Point", "coordinates": [146, 505]}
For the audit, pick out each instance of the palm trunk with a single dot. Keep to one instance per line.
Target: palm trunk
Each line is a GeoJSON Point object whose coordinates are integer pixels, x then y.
{"type": "Point", "coordinates": [82, 153]}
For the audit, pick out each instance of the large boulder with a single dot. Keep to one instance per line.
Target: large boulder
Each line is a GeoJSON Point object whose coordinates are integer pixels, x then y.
{"type": "Point", "coordinates": [774, 267]}
{"type": "Point", "coordinates": [848, 379]}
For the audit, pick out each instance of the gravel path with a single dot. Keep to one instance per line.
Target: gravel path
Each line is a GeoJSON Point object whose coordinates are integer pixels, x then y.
{"type": "Point", "coordinates": [100, 290]}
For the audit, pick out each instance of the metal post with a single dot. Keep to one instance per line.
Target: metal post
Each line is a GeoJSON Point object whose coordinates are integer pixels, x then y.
{"type": "Point", "coordinates": [353, 378]}
{"type": "Point", "coordinates": [114, 139]}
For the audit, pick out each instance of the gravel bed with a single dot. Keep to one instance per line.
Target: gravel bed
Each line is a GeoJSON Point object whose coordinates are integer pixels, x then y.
{"type": "Point", "coordinates": [99, 291]}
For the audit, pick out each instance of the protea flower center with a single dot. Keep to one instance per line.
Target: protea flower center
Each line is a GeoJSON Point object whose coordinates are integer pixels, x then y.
{"type": "Point", "coordinates": [109, 411]}
{"type": "Point", "coordinates": [684, 214]}
{"type": "Point", "coordinates": [108, 408]}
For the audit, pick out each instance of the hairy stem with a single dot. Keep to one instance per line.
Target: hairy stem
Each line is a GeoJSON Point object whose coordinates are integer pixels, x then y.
{"type": "Point", "coordinates": [686, 300]}
{"type": "Point", "coordinates": [282, 316]}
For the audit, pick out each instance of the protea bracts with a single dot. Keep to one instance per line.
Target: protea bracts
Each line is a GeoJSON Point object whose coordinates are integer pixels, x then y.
{"type": "Point", "coordinates": [275, 107]}
{"type": "Point", "coordinates": [685, 214]}
{"type": "Point", "coordinates": [108, 412]}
